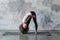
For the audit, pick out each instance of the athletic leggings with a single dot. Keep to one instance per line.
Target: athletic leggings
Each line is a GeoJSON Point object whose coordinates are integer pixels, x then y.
{"type": "Point", "coordinates": [34, 19]}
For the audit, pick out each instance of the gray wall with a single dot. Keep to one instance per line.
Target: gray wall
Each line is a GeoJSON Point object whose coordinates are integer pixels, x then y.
{"type": "Point", "coordinates": [13, 11]}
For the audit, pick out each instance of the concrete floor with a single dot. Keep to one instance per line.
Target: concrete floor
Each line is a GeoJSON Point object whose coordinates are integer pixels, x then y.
{"type": "Point", "coordinates": [55, 36]}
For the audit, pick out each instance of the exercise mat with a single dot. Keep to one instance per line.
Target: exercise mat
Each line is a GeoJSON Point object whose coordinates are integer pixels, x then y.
{"type": "Point", "coordinates": [29, 33]}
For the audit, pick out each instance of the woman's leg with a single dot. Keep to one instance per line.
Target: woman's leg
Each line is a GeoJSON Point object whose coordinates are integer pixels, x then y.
{"type": "Point", "coordinates": [36, 25]}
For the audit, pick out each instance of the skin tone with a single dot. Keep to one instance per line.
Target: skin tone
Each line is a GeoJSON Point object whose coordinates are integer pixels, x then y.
{"type": "Point", "coordinates": [24, 25]}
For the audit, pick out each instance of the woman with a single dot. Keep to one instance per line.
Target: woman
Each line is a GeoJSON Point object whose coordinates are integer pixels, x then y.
{"type": "Point", "coordinates": [24, 27]}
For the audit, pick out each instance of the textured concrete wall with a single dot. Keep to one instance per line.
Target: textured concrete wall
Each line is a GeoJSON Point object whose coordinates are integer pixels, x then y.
{"type": "Point", "coordinates": [12, 12]}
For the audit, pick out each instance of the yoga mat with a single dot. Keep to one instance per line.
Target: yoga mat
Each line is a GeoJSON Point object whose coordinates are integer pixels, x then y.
{"type": "Point", "coordinates": [29, 33]}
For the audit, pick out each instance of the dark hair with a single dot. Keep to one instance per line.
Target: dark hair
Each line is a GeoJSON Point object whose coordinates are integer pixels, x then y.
{"type": "Point", "coordinates": [32, 12]}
